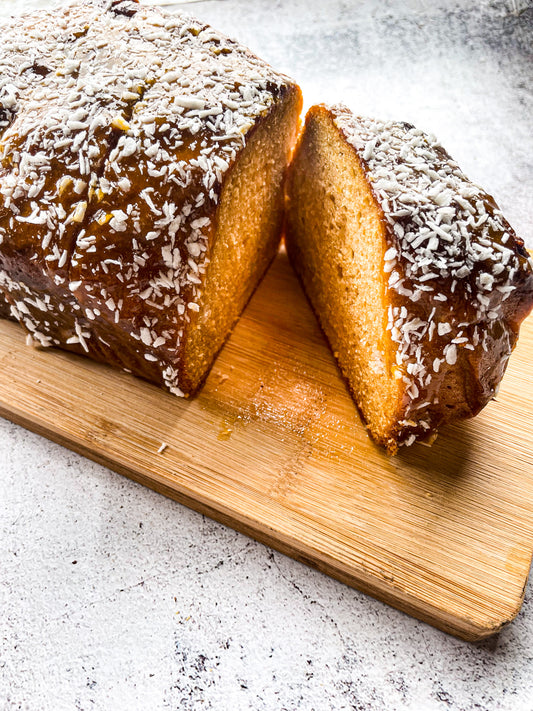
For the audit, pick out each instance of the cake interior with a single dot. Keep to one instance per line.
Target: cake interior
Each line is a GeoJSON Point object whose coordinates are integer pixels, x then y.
{"type": "Point", "coordinates": [336, 241]}
{"type": "Point", "coordinates": [248, 232]}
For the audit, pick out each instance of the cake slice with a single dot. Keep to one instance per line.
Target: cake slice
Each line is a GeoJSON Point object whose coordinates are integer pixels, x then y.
{"type": "Point", "coordinates": [418, 281]}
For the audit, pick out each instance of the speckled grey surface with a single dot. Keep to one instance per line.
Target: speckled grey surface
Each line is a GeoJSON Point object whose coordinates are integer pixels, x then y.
{"type": "Point", "coordinates": [112, 597]}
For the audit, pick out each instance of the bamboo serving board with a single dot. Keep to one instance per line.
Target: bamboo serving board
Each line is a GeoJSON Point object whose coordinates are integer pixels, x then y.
{"type": "Point", "coordinates": [274, 447]}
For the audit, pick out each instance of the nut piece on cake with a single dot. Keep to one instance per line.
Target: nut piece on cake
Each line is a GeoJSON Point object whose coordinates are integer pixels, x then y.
{"type": "Point", "coordinates": [418, 281]}
{"type": "Point", "coordinates": [142, 163]}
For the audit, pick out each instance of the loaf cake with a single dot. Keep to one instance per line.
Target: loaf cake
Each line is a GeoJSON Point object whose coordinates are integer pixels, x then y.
{"type": "Point", "coordinates": [142, 163]}
{"type": "Point", "coordinates": [418, 281]}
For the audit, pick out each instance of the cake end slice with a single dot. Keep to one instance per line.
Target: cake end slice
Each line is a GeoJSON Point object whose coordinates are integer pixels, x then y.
{"type": "Point", "coordinates": [418, 281]}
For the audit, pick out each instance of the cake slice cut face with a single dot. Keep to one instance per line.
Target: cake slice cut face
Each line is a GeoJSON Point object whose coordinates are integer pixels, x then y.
{"type": "Point", "coordinates": [418, 281]}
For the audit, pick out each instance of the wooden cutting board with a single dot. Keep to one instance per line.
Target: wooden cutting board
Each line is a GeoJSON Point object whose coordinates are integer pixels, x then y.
{"type": "Point", "coordinates": [274, 447]}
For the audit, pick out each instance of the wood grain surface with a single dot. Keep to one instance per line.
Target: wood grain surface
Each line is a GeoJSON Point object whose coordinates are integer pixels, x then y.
{"type": "Point", "coordinates": [273, 446]}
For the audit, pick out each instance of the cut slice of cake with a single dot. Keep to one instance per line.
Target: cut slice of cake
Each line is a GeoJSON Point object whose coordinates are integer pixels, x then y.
{"type": "Point", "coordinates": [418, 281]}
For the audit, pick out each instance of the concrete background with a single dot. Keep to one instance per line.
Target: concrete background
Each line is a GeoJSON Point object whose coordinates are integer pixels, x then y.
{"type": "Point", "coordinates": [112, 597]}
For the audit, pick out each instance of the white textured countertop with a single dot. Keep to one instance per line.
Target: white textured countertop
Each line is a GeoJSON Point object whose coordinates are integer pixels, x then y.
{"type": "Point", "coordinates": [113, 597]}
